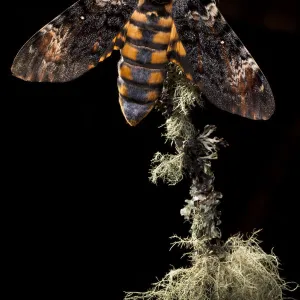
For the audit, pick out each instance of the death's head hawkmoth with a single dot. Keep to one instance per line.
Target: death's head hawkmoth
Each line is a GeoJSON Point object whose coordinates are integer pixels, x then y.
{"type": "Point", "coordinates": [149, 34]}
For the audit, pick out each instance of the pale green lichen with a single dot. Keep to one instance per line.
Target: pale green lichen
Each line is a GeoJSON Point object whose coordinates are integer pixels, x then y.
{"type": "Point", "coordinates": [237, 270]}
{"type": "Point", "coordinates": [168, 167]}
{"type": "Point", "coordinates": [176, 127]}
{"type": "Point", "coordinates": [184, 95]}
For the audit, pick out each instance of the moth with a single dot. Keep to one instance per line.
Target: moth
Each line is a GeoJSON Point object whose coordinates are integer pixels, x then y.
{"type": "Point", "coordinates": [149, 34]}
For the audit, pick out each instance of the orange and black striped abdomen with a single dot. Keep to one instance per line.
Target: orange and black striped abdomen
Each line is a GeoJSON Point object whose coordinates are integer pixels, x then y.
{"type": "Point", "coordinates": [142, 67]}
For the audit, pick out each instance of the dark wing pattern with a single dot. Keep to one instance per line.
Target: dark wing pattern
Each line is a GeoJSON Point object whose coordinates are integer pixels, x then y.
{"type": "Point", "coordinates": [74, 41]}
{"type": "Point", "coordinates": [221, 66]}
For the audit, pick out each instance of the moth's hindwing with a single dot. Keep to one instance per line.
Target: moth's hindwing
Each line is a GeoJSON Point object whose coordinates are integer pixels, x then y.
{"type": "Point", "coordinates": [73, 42]}
{"type": "Point", "coordinates": [221, 66]}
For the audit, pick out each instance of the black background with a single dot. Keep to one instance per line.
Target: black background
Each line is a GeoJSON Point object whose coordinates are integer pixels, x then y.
{"type": "Point", "coordinates": [84, 220]}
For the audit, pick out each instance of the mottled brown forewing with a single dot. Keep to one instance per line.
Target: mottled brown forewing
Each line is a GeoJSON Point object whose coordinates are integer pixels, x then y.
{"type": "Point", "coordinates": [73, 42]}
{"type": "Point", "coordinates": [221, 66]}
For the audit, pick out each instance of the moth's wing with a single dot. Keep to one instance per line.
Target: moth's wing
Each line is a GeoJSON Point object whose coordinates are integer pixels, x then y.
{"type": "Point", "coordinates": [73, 42]}
{"type": "Point", "coordinates": [221, 66]}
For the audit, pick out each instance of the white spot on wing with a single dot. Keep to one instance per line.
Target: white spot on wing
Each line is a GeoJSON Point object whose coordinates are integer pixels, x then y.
{"type": "Point", "coordinates": [103, 3]}
{"type": "Point", "coordinates": [46, 28]}
{"type": "Point", "coordinates": [212, 12]}
{"type": "Point", "coordinates": [239, 68]}
{"type": "Point", "coordinates": [195, 15]}
{"type": "Point", "coordinates": [49, 26]}
{"type": "Point", "coordinates": [31, 49]}
{"type": "Point", "coordinates": [212, 9]}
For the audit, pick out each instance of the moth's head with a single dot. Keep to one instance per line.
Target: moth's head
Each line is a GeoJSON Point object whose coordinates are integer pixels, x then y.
{"type": "Point", "coordinates": [160, 1]}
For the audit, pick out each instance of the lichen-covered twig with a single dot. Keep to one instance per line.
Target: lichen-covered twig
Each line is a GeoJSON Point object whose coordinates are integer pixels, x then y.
{"type": "Point", "coordinates": [237, 269]}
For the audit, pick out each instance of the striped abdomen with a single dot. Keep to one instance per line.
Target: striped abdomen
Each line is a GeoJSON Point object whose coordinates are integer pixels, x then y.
{"type": "Point", "coordinates": [142, 67]}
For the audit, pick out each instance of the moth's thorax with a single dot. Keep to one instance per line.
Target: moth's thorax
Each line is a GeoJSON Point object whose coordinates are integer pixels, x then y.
{"type": "Point", "coordinates": [142, 67]}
